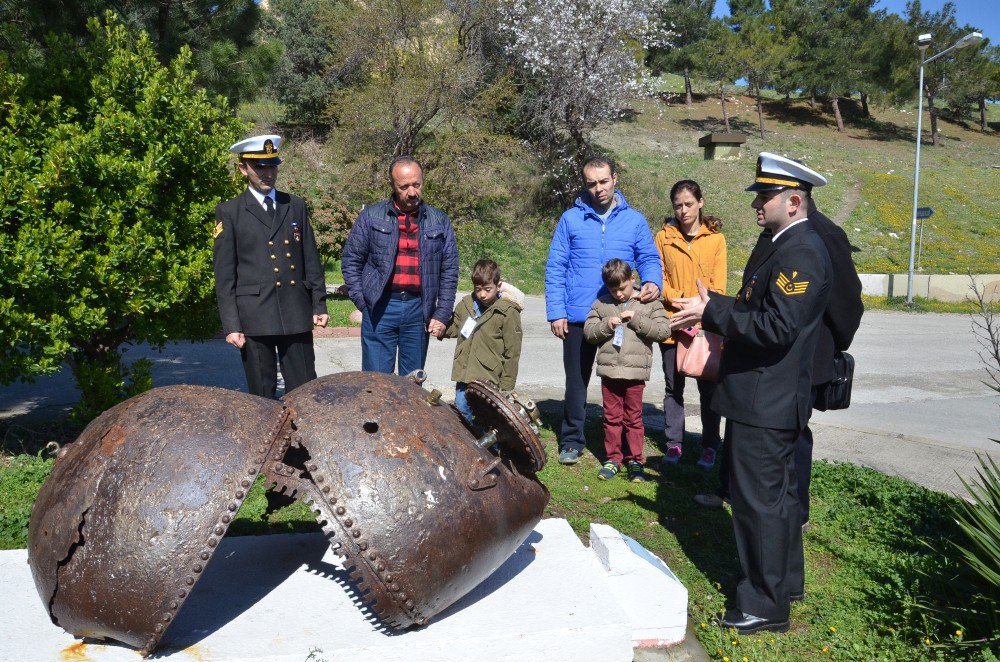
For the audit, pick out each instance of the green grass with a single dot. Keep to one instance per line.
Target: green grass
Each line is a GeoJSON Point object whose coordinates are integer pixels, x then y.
{"type": "Point", "coordinates": [870, 168]}
{"type": "Point", "coordinates": [866, 558]}
{"type": "Point", "coordinates": [340, 308]}
{"type": "Point", "coordinates": [920, 305]}
{"type": "Point", "coordinates": [864, 555]}
{"type": "Point", "coordinates": [21, 477]}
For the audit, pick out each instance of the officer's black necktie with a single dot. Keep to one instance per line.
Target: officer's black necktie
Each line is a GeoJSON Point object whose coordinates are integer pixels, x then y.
{"type": "Point", "coordinates": [269, 205]}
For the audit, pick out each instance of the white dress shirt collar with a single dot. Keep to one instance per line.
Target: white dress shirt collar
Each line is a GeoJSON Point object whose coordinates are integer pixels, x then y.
{"type": "Point", "coordinates": [260, 196]}
{"type": "Point", "coordinates": [785, 229]}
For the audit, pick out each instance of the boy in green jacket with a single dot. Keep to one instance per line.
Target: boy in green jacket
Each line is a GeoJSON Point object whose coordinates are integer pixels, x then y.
{"type": "Point", "coordinates": [625, 328]}
{"type": "Point", "coordinates": [488, 327]}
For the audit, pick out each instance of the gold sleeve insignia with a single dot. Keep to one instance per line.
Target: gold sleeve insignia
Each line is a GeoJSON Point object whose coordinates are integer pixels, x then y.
{"type": "Point", "coordinates": [789, 286]}
{"type": "Point", "coordinates": [218, 229]}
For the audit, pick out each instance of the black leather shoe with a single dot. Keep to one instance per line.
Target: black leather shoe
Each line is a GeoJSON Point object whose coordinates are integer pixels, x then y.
{"type": "Point", "coordinates": [748, 623]}
{"type": "Point", "coordinates": [797, 597]}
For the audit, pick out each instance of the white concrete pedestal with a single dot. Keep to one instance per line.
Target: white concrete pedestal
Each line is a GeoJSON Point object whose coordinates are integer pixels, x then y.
{"type": "Point", "coordinates": [277, 599]}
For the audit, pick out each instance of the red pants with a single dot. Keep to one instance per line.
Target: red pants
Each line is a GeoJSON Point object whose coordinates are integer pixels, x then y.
{"type": "Point", "coordinates": [623, 430]}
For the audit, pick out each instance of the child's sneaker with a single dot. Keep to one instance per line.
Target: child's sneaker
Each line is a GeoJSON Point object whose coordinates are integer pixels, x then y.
{"type": "Point", "coordinates": [672, 456]}
{"type": "Point", "coordinates": [707, 459]}
{"type": "Point", "coordinates": [608, 471]}
{"type": "Point", "coordinates": [636, 473]}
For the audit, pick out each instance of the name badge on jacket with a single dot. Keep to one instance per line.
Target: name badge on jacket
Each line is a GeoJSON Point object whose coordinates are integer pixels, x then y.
{"type": "Point", "coordinates": [296, 231]}
{"type": "Point", "coordinates": [468, 327]}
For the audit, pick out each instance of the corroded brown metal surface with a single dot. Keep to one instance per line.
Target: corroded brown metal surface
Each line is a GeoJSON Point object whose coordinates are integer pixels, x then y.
{"type": "Point", "coordinates": [133, 510]}
{"type": "Point", "coordinates": [419, 510]}
{"type": "Point", "coordinates": [516, 416]}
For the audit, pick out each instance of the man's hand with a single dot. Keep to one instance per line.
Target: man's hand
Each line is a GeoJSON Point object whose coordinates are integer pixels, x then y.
{"type": "Point", "coordinates": [436, 328]}
{"type": "Point", "coordinates": [560, 328]}
{"type": "Point", "coordinates": [649, 292]}
{"type": "Point", "coordinates": [236, 339]}
{"type": "Point", "coordinates": [680, 303]}
{"type": "Point", "coordinates": [321, 320]}
{"type": "Point", "coordinates": [691, 309]}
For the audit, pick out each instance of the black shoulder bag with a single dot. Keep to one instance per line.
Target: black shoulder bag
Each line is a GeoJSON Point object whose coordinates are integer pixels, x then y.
{"type": "Point", "coordinates": [836, 393]}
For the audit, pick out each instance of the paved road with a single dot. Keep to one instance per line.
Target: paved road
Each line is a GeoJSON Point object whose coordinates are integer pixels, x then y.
{"type": "Point", "coordinates": [920, 409]}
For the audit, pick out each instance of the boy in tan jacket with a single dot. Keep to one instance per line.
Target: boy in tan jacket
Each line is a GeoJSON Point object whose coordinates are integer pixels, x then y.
{"type": "Point", "coordinates": [625, 329]}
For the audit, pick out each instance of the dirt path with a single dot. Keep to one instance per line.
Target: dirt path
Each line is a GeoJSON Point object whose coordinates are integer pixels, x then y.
{"type": "Point", "coordinates": [851, 197]}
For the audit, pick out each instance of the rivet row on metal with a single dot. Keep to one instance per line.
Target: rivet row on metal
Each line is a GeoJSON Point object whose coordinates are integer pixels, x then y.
{"type": "Point", "coordinates": [363, 557]}
{"type": "Point", "coordinates": [220, 529]}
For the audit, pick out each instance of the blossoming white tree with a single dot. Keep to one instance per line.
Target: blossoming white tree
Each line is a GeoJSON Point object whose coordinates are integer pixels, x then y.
{"type": "Point", "coordinates": [581, 60]}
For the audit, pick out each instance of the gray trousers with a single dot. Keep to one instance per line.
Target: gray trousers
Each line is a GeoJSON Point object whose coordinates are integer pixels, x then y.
{"type": "Point", "coordinates": [673, 404]}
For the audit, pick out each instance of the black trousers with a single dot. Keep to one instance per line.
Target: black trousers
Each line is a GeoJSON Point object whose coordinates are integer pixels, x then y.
{"type": "Point", "coordinates": [578, 363]}
{"type": "Point", "coordinates": [803, 466]}
{"type": "Point", "coordinates": [260, 355]}
{"type": "Point", "coordinates": [766, 520]}
{"type": "Point", "coordinates": [804, 460]}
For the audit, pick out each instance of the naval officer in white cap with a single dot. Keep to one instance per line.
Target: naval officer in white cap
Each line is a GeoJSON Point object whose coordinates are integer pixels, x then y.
{"type": "Point", "coordinates": [771, 326]}
{"type": "Point", "coordinates": [269, 281]}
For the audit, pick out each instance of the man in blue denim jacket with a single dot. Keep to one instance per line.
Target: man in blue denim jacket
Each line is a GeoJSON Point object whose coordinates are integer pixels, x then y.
{"type": "Point", "coordinates": [400, 265]}
{"type": "Point", "coordinates": [598, 227]}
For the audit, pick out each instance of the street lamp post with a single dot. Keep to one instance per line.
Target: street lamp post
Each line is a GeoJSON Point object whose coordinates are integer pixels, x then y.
{"type": "Point", "coordinates": [923, 41]}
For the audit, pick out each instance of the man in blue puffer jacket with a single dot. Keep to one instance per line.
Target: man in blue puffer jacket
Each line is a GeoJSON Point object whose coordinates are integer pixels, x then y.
{"type": "Point", "coordinates": [600, 226]}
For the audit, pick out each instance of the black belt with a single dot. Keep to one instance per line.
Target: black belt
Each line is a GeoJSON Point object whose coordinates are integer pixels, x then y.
{"type": "Point", "coordinates": [403, 295]}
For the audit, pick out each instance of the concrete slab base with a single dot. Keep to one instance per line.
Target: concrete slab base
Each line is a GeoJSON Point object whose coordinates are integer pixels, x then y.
{"type": "Point", "coordinates": [279, 599]}
{"type": "Point", "coordinates": [651, 595]}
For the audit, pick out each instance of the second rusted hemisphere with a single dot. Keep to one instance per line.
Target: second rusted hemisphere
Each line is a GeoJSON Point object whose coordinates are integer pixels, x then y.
{"type": "Point", "coordinates": [421, 512]}
{"type": "Point", "coordinates": [134, 508]}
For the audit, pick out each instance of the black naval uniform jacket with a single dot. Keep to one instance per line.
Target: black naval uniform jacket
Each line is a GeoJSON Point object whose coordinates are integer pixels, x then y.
{"type": "Point", "coordinates": [268, 276]}
{"type": "Point", "coordinates": [842, 316]}
{"type": "Point", "coordinates": [771, 328]}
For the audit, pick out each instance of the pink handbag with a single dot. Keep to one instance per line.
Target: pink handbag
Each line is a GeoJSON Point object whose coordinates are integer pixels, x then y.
{"type": "Point", "coordinates": [699, 353]}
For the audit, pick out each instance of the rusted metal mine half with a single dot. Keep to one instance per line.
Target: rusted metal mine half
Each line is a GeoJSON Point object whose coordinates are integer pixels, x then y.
{"type": "Point", "coordinates": [419, 510]}
{"type": "Point", "coordinates": [134, 509]}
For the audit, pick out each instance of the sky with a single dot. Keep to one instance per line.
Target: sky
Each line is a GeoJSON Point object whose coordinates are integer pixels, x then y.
{"type": "Point", "coordinates": [982, 14]}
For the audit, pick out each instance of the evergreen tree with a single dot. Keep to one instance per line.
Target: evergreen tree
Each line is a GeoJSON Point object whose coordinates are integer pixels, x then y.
{"type": "Point", "coordinates": [305, 77]}
{"type": "Point", "coordinates": [840, 35]}
{"type": "Point", "coordinates": [717, 59]}
{"type": "Point", "coordinates": [223, 35]}
{"type": "Point", "coordinates": [740, 8]}
{"type": "Point", "coordinates": [943, 25]}
{"type": "Point", "coordinates": [761, 48]}
{"type": "Point", "coordinates": [974, 80]}
{"type": "Point", "coordinates": [688, 23]}
{"type": "Point", "coordinates": [111, 175]}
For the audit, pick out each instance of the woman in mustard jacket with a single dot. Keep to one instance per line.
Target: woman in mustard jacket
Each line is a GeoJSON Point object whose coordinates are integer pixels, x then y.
{"type": "Point", "coordinates": [692, 247]}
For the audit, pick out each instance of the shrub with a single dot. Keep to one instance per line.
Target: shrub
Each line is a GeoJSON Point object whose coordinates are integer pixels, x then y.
{"type": "Point", "coordinates": [113, 167]}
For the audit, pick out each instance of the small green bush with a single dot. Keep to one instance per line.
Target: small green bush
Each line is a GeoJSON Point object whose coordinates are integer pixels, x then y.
{"type": "Point", "coordinates": [113, 166]}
